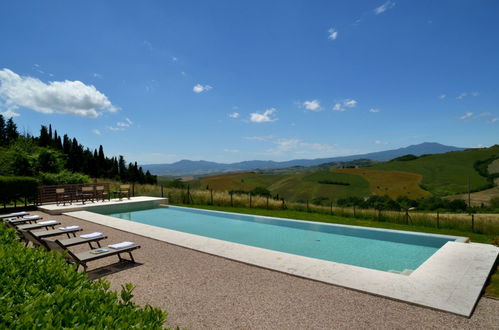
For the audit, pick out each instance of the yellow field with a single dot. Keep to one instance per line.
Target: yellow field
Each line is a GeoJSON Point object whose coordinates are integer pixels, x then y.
{"type": "Point", "coordinates": [480, 197]}
{"type": "Point", "coordinates": [391, 183]}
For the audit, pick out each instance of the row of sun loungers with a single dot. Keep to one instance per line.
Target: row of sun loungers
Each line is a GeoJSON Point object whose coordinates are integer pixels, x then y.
{"type": "Point", "coordinates": [28, 228]}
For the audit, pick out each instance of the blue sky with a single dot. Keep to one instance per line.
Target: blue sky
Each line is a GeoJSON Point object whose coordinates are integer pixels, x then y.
{"type": "Point", "coordinates": [160, 81]}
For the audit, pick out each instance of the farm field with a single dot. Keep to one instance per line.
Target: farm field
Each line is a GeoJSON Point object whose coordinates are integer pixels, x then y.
{"type": "Point", "coordinates": [445, 174]}
{"type": "Point", "coordinates": [294, 187]}
{"type": "Point", "coordinates": [391, 183]}
{"type": "Point", "coordinates": [439, 175]}
{"type": "Point", "coordinates": [480, 197]}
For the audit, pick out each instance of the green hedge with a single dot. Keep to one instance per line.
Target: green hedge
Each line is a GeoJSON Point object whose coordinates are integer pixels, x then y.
{"type": "Point", "coordinates": [38, 289]}
{"type": "Point", "coordinates": [16, 187]}
{"type": "Point", "coordinates": [64, 177]}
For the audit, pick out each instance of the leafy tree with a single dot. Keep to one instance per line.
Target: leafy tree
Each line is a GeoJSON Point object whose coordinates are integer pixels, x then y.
{"type": "Point", "coordinates": [48, 162]}
{"type": "Point", "coordinates": [261, 191]}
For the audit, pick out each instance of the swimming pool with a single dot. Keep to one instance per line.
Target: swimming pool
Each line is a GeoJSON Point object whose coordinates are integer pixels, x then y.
{"type": "Point", "coordinates": [385, 250]}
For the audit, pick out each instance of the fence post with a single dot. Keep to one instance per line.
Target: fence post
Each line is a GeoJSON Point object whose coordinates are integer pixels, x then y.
{"type": "Point", "coordinates": [162, 195]}
{"type": "Point", "coordinates": [231, 204]}
{"type": "Point", "coordinates": [133, 189]}
{"type": "Point", "coordinates": [283, 204]}
{"type": "Point", "coordinates": [308, 209]}
{"type": "Point", "coordinates": [267, 202]}
{"type": "Point", "coordinates": [354, 211]}
{"type": "Point", "coordinates": [211, 196]}
{"type": "Point", "coordinates": [250, 200]}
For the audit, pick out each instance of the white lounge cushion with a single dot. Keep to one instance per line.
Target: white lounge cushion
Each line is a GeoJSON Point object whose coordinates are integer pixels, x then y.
{"type": "Point", "coordinates": [48, 222]}
{"type": "Point", "coordinates": [121, 245]}
{"type": "Point", "coordinates": [32, 217]}
{"type": "Point", "coordinates": [69, 228]}
{"type": "Point", "coordinates": [92, 235]}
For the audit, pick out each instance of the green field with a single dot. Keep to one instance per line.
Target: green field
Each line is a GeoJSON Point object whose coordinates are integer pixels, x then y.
{"type": "Point", "coordinates": [445, 174]}
{"type": "Point", "coordinates": [294, 187]}
{"type": "Point", "coordinates": [439, 175]}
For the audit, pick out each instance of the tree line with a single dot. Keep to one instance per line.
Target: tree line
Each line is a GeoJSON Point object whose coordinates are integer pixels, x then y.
{"type": "Point", "coordinates": [78, 159]}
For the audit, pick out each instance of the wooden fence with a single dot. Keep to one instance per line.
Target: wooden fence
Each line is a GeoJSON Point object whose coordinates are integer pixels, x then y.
{"type": "Point", "coordinates": [47, 194]}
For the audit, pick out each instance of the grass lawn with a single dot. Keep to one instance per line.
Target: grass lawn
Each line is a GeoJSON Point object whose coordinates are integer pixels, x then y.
{"type": "Point", "coordinates": [492, 288]}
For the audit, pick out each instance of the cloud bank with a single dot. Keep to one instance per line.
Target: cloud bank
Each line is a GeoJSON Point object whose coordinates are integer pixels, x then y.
{"type": "Point", "coordinates": [63, 97]}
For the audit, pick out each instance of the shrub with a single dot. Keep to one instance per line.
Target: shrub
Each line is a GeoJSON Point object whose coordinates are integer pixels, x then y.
{"type": "Point", "coordinates": [494, 203]}
{"type": "Point", "coordinates": [38, 289]}
{"type": "Point", "coordinates": [63, 177]}
{"type": "Point", "coordinates": [15, 187]}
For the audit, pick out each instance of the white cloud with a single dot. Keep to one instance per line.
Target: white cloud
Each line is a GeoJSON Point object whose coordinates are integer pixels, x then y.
{"type": "Point", "coordinates": [485, 114]}
{"type": "Point", "coordinates": [64, 97]}
{"type": "Point", "coordinates": [264, 117]}
{"type": "Point", "coordinates": [384, 7]}
{"type": "Point", "coordinates": [96, 131]}
{"type": "Point", "coordinates": [200, 88]}
{"type": "Point", "coordinates": [234, 115]}
{"type": "Point", "coordinates": [465, 94]}
{"type": "Point", "coordinates": [333, 34]}
{"type": "Point", "coordinates": [259, 138]}
{"type": "Point", "coordinates": [493, 120]}
{"type": "Point", "coordinates": [299, 147]}
{"type": "Point", "coordinates": [9, 114]}
{"type": "Point", "coordinates": [126, 123]}
{"type": "Point", "coordinates": [174, 59]}
{"type": "Point", "coordinates": [121, 125]}
{"type": "Point", "coordinates": [467, 115]}
{"type": "Point", "coordinates": [231, 150]}
{"type": "Point", "coordinates": [380, 142]}
{"type": "Point", "coordinates": [97, 75]}
{"type": "Point", "coordinates": [342, 106]}
{"type": "Point", "coordinates": [373, 110]}
{"type": "Point", "coordinates": [313, 105]}
{"type": "Point", "coordinates": [442, 96]}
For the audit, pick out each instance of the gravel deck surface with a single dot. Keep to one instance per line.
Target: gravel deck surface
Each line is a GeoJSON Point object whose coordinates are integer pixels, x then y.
{"type": "Point", "coordinates": [201, 291]}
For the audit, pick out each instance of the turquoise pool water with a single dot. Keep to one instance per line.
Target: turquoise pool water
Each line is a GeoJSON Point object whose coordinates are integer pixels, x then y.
{"type": "Point", "coordinates": [371, 248]}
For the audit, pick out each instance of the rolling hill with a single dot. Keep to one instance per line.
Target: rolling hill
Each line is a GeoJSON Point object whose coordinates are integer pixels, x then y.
{"type": "Point", "coordinates": [438, 174]}
{"type": "Point", "coordinates": [198, 168]}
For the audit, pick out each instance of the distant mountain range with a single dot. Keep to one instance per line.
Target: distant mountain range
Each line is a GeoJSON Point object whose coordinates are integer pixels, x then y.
{"type": "Point", "coordinates": [201, 167]}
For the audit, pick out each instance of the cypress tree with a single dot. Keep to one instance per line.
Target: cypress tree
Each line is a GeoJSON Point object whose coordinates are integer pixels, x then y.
{"type": "Point", "coordinates": [44, 139]}
{"type": "Point", "coordinates": [3, 132]}
{"type": "Point", "coordinates": [11, 131]}
{"type": "Point", "coordinates": [51, 141]}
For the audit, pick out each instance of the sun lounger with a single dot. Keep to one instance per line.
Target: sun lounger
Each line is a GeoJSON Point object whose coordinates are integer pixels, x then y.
{"type": "Point", "coordinates": [14, 215]}
{"type": "Point", "coordinates": [37, 240]}
{"type": "Point", "coordinates": [56, 232]}
{"type": "Point", "coordinates": [23, 220]}
{"type": "Point", "coordinates": [82, 258]}
{"type": "Point", "coordinates": [42, 224]}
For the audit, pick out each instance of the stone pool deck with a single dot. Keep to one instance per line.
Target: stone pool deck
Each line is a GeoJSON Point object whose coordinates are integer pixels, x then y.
{"type": "Point", "coordinates": [54, 209]}
{"type": "Point", "coordinates": [202, 291]}
{"type": "Point", "coordinates": [451, 280]}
